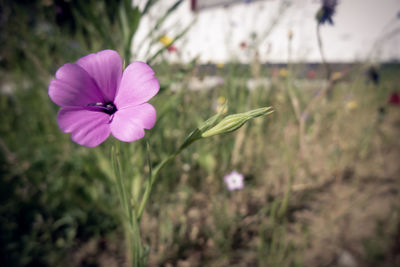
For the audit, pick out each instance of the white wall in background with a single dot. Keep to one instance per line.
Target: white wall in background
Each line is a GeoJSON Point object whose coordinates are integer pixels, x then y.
{"type": "Point", "coordinates": [218, 32]}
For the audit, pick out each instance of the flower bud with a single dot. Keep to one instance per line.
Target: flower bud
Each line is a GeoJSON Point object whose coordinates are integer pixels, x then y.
{"type": "Point", "coordinates": [197, 133]}
{"type": "Point", "coordinates": [233, 122]}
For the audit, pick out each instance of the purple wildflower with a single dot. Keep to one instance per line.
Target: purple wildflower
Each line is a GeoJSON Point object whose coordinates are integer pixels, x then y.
{"type": "Point", "coordinates": [97, 99]}
{"type": "Point", "coordinates": [234, 181]}
{"type": "Point", "coordinates": [373, 75]}
{"type": "Point", "coordinates": [326, 11]}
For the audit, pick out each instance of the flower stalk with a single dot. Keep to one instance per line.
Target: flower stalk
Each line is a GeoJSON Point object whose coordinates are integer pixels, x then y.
{"type": "Point", "coordinates": [129, 215]}
{"type": "Point", "coordinates": [321, 51]}
{"type": "Point", "coordinates": [209, 128]}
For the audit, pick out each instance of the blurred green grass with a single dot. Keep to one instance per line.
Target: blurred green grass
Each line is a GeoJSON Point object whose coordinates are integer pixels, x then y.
{"type": "Point", "coordinates": [302, 203]}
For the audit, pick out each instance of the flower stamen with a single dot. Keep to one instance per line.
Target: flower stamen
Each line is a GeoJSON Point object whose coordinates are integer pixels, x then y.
{"type": "Point", "coordinates": [108, 107]}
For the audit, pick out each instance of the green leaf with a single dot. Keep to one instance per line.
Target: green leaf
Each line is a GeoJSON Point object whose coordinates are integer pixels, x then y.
{"type": "Point", "coordinates": [148, 5]}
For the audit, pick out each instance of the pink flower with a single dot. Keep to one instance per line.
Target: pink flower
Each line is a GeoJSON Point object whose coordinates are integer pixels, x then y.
{"type": "Point", "coordinates": [172, 49]}
{"type": "Point", "coordinates": [311, 74]}
{"type": "Point", "coordinates": [234, 181]}
{"type": "Point", "coordinates": [97, 99]}
{"type": "Point", "coordinates": [394, 99]}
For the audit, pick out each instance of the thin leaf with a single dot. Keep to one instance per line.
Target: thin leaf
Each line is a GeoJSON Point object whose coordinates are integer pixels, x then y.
{"type": "Point", "coordinates": [179, 36]}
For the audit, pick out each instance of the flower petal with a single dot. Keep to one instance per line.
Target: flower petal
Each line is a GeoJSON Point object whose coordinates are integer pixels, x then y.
{"type": "Point", "coordinates": [137, 86]}
{"type": "Point", "coordinates": [144, 115]}
{"type": "Point", "coordinates": [73, 86]}
{"type": "Point", "coordinates": [88, 128]}
{"type": "Point", "coordinates": [129, 123]}
{"type": "Point", "coordinates": [105, 67]}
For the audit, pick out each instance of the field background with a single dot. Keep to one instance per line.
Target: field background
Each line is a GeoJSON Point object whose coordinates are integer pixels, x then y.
{"type": "Point", "coordinates": [321, 172]}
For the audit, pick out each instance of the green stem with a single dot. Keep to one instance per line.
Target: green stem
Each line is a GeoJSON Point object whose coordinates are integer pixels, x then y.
{"type": "Point", "coordinates": [321, 51]}
{"type": "Point", "coordinates": [153, 178]}
{"type": "Point", "coordinates": [130, 218]}
{"type": "Point", "coordinates": [228, 124]}
{"type": "Point", "coordinates": [194, 136]}
{"type": "Point", "coordinates": [138, 257]}
{"type": "Point", "coordinates": [120, 183]}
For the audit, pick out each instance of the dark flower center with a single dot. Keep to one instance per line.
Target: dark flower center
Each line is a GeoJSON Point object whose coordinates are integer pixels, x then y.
{"type": "Point", "coordinates": [107, 107]}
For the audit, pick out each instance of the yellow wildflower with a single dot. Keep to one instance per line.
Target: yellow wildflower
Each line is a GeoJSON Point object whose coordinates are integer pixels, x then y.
{"type": "Point", "coordinates": [220, 105]}
{"type": "Point", "coordinates": [351, 105]}
{"type": "Point", "coordinates": [336, 76]}
{"type": "Point", "coordinates": [283, 72]}
{"type": "Point", "coordinates": [165, 40]}
{"type": "Point", "coordinates": [220, 65]}
{"type": "Point", "coordinates": [221, 100]}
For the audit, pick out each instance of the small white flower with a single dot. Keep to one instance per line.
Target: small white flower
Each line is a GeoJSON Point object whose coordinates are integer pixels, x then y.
{"type": "Point", "coordinates": [234, 181]}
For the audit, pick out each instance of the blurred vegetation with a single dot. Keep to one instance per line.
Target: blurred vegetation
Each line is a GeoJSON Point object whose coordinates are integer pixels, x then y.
{"type": "Point", "coordinates": [317, 184]}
